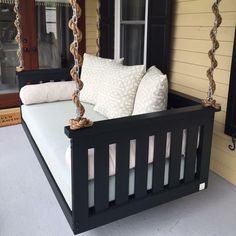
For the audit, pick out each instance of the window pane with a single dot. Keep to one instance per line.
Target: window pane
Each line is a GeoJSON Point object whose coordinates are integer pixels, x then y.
{"type": "Point", "coordinates": [133, 10]}
{"type": "Point", "coordinates": [51, 14]}
{"type": "Point", "coordinates": [54, 36]}
{"type": "Point", "coordinates": [132, 44]}
{"type": "Point", "coordinates": [8, 48]}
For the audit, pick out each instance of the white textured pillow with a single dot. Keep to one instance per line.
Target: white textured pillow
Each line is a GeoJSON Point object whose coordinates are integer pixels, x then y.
{"type": "Point", "coordinates": [92, 74]}
{"type": "Point", "coordinates": [152, 93]}
{"type": "Point", "coordinates": [47, 92]}
{"type": "Point", "coordinates": [117, 93]}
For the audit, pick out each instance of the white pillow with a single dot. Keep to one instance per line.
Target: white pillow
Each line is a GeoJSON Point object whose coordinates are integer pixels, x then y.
{"type": "Point", "coordinates": [117, 93]}
{"type": "Point", "coordinates": [47, 92]}
{"type": "Point", "coordinates": [93, 70]}
{"type": "Point", "coordinates": [152, 93]}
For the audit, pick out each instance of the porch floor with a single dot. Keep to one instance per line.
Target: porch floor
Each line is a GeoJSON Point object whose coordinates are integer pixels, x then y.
{"type": "Point", "coordinates": [28, 205]}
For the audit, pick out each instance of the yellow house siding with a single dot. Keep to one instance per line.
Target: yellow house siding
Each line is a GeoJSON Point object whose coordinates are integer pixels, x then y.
{"type": "Point", "coordinates": [91, 28]}
{"type": "Point", "coordinates": [192, 24]}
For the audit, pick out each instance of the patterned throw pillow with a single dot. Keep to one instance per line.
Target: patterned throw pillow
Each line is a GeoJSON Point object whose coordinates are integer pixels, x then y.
{"type": "Point", "coordinates": [92, 73]}
{"type": "Point", "coordinates": [152, 93]}
{"type": "Point", "coordinates": [117, 93]}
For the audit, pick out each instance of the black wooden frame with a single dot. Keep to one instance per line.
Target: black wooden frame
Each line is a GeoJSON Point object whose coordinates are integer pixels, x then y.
{"type": "Point", "coordinates": [184, 112]}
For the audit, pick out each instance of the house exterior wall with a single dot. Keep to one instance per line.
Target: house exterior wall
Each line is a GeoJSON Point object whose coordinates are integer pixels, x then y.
{"type": "Point", "coordinates": [192, 23]}
{"type": "Point", "coordinates": [91, 27]}
{"type": "Point", "coordinates": [193, 20]}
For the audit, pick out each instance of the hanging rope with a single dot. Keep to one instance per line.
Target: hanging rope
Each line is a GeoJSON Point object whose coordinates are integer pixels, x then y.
{"type": "Point", "coordinates": [210, 101]}
{"type": "Point", "coordinates": [18, 37]}
{"type": "Point", "coordinates": [98, 27]}
{"type": "Point", "coordinates": [79, 122]}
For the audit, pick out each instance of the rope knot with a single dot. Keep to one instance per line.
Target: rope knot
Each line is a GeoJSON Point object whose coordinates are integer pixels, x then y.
{"type": "Point", "coordinates": [211, 103]}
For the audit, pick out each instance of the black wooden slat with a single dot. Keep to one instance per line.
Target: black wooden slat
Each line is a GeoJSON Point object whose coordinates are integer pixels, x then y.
{"type": "Point", "coordinates": [122, 171]}
{"type": "Point", "coordinates": [190, 154]}
{"type": "Point", "coordinates": [142, 146]}
{"type": "Point", "coordinates": [101, 177]}
{"type": "Point", "coordinates": [159, 162]}
{"type": "Point", "coordinates": [79, 177]}
{"type": "Point", "coordinates": [204, 150]}
{"type": "Point", "coordinates": [175, 157]}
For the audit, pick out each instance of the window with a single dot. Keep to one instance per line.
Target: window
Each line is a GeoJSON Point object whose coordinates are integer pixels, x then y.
{"type": "Point", "coordinates": [131, 20]}
{"type": "Point", "coordinates": [51, 20]}
{"type": "Point", "coordinates": [138, 30]}
{"type": "Point", "coordinates": [54, 36]}
{"type": "Point", "coordinates": [8, 48]}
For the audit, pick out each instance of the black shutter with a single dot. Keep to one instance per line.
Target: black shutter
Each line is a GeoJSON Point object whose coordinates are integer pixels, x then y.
{"type": "Point", "coordinates": [107, 28]}
{"type": "Point", "coordinates": [159, 34]}
{"type": "Point", "coordinates": [230, 124]}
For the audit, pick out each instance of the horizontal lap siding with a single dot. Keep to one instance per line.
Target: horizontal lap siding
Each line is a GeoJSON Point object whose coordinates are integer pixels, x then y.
{"type": "Point", "coordinates": [192, 24]}
{"type": "Point", "coordinates": [91, 28]}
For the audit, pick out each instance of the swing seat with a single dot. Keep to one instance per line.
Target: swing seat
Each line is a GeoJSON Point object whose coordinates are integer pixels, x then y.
{"type": "Point", "coordinates": [128, 191]}
{"type": "Point", "coordinates": [48, 134]}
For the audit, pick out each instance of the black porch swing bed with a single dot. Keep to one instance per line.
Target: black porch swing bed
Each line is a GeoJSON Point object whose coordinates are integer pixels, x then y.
{"type": "Point", "coordinates": [170, 178]}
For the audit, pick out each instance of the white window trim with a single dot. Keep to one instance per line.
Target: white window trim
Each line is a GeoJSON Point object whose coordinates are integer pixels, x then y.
{"type": "Point", "coordinates": [117, 30]}
{"type": "Point", "coordinates": [146, 33]}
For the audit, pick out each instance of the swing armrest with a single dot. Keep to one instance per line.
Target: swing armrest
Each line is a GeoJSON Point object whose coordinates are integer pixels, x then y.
{"type": "Point", "coordinates": [136, 125]}
{"type": "Point", "coordinates": [188, 108]}
{"type": "Point", "coordinates": [177, 99]}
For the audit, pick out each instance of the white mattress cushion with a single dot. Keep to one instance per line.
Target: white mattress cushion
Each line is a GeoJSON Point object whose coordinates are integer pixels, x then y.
{"type": "Point", "coordinates": [46, 123]}
{"type": "Point", "coordinates": [152, 93]}
{"type": "Point", "coordinates": [117, 94]}
{"type": "Point", "coordinates": [47, 92]}
{"type": "Point", "coordinates": [93, 70]}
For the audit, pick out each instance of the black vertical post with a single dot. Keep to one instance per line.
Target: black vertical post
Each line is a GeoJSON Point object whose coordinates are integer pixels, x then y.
{"type": "Point", "coordinates": [141, 166]}
{"type": "Point", "coordinates": [159, 162]}
{"type": "Point", "coordinates": [79, 178]}
{"type": "Point", "coordinates": [122, 171]}
{"type": "Point", "coordinates": [190, 154]}
{"type": "Point", "coordinates": [204, 150]}
{"type": "Point", "coordinates": [175, 156]}
{"type": "Point", "coordinates": [101, 177]}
